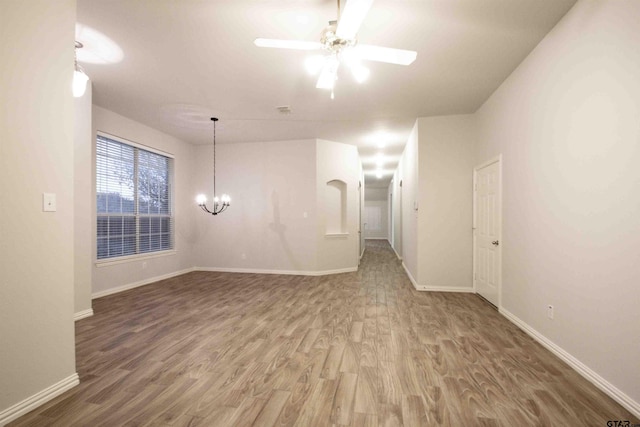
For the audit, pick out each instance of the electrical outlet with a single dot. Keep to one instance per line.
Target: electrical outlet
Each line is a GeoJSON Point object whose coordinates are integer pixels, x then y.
{"type": "Point", "coordinates": [550, 312]}
{"type": "Point", "coordinates": [243, 256]}
{"type": "Point", "coordinates": [144, 265]}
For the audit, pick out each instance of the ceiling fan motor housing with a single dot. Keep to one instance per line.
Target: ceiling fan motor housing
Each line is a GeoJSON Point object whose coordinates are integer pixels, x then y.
{"type": "Point", "coordinates": [333, 43]}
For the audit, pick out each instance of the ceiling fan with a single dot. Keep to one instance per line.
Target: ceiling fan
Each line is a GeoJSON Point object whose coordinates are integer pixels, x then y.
{"type": "Point", "coordinates": [340, 42]}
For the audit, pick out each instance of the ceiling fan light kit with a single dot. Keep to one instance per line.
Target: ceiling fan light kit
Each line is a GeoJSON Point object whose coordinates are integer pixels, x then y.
{"type": "Point", "coordinates": [339, 39]}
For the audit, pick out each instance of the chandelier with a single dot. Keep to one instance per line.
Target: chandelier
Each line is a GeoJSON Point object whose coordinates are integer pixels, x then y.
{"type": "Point", "coordinates": [221, 204]}
{"type": "Point", "coordinates": [80, 78]}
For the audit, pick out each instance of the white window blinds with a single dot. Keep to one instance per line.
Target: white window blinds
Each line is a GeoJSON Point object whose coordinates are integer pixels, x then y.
{"type": "Point", "coordinates": [133, 191]}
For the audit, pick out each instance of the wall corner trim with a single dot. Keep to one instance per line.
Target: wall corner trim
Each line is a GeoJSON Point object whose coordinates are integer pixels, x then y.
{"type": "Point", "coordinates": [83, 314]}
{"type": "Point", "coordinates": [590, 375]}
{"type": "Point", "coordinates": [38, 399]}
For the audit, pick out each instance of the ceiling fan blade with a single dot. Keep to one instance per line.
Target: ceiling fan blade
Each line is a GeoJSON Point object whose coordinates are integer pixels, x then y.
{"type": "Point", "coordinates": [288, 44]}
{"type": "Point", "coordinates": [352, 17]}
{"type": "Point", "coordinates": [384, 54]}
{"type": "Point", "coordinates": [328, 74]}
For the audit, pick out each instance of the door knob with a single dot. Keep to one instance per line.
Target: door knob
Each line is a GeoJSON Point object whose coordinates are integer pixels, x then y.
{"type": "Point", "coordinates": [495, 243]}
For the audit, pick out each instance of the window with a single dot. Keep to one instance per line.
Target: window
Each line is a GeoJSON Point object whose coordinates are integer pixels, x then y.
{"type": "Point", "coordinates": [133, 199]}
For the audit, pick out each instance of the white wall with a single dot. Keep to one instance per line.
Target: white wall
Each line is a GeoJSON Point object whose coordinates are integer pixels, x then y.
{"type": "Point", "coordinates": [445, 238]}
{"type": "Point", "coordinates": [277, 221]}
{"type": "Point", "coordinates": [83, 208]}
{"type": "Point", "coordinates": [276, 218]}
{"type": "Point", "coordinates": [335, 160]}
{"type": "Point", "coordinates": [107, 279]}
{"type": "Point", "coordinates": [434, 206]}
{"type": "Point", "coordinates": [567, 124]}
{"type": "Point", "coordinates": [410, 197]}
{"type": "Point", "coordinates": [376, 201]}
{"type": "Point", "coordinates": [272, 221]}
{"type": "Point", "coordinates": [36, 156]}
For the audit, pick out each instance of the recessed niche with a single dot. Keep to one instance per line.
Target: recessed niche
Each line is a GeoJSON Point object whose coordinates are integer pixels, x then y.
{"type": "Point", "coordinates": [335, 203]}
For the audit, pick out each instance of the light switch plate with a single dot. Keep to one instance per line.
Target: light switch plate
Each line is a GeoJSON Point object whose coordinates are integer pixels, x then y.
{"type": "Point", "coordinates": [49, 202]}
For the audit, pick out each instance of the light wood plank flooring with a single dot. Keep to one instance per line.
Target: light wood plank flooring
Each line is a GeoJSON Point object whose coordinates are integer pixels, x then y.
{"type": "Point", "coordinates": [356, 349]}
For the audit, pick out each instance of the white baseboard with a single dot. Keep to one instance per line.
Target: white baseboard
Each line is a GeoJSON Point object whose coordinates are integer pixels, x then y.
{"type": "Point", "coordinates": [395, 252]}
{"type": "Point", "coordinates": [218, 269]}
{"type": "Point", "coordinates": [40, 398]}
{"type": "Point", "coordinates": [446, 289]}
{"type": "Point", "coordinates": [82, 314]}
{"type": "Point", "coordinates": [285, 272]}
{"type": "Point", "coordinates": [604, 385]}
{"type": "Point", "coordinates": [434, 288]}
{"type": "Point", "coordinates": [139, 283]}
{"type": "Point", "coordinates": [413, 281]}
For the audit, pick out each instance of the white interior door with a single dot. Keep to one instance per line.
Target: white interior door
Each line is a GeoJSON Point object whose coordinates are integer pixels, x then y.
{"type": "Point", "coordinates": [373, 221]}
{"type": "Point", "coordinates": [487, 252]}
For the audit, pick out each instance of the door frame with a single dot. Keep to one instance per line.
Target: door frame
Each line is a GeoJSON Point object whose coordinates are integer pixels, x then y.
{"type": "Point", "coordinates": [399, 231]}
{"type": "Point", "coordinates": [360, 234]}
{"type": "Point", "coordinates": [390, 231]}
{"type": "Point", "coordinates": [497, 159]}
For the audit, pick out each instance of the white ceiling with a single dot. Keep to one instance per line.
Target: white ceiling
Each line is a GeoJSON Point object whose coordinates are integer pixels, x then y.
{"type": "Point", "coordinates": [173, 64]}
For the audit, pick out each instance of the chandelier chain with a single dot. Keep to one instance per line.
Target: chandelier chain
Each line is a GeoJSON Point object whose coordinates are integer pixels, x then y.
{"type": "Point", "coordinates": [214, 157]}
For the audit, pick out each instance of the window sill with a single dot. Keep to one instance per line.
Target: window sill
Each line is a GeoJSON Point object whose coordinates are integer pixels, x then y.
{"type": "Point", "coordinates": [132, 258]}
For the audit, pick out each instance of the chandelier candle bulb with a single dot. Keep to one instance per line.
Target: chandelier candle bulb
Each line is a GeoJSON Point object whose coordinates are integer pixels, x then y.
{"type": "Point", "coordinates": [80, 80]}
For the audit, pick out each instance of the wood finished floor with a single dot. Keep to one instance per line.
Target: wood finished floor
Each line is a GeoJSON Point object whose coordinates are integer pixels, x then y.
{"type": "Point", "coordinates": [355, 349]}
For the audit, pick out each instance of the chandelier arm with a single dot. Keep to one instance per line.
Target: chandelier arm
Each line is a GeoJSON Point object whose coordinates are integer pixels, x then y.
{"type": "Point", "coordinates": [216, 210]}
